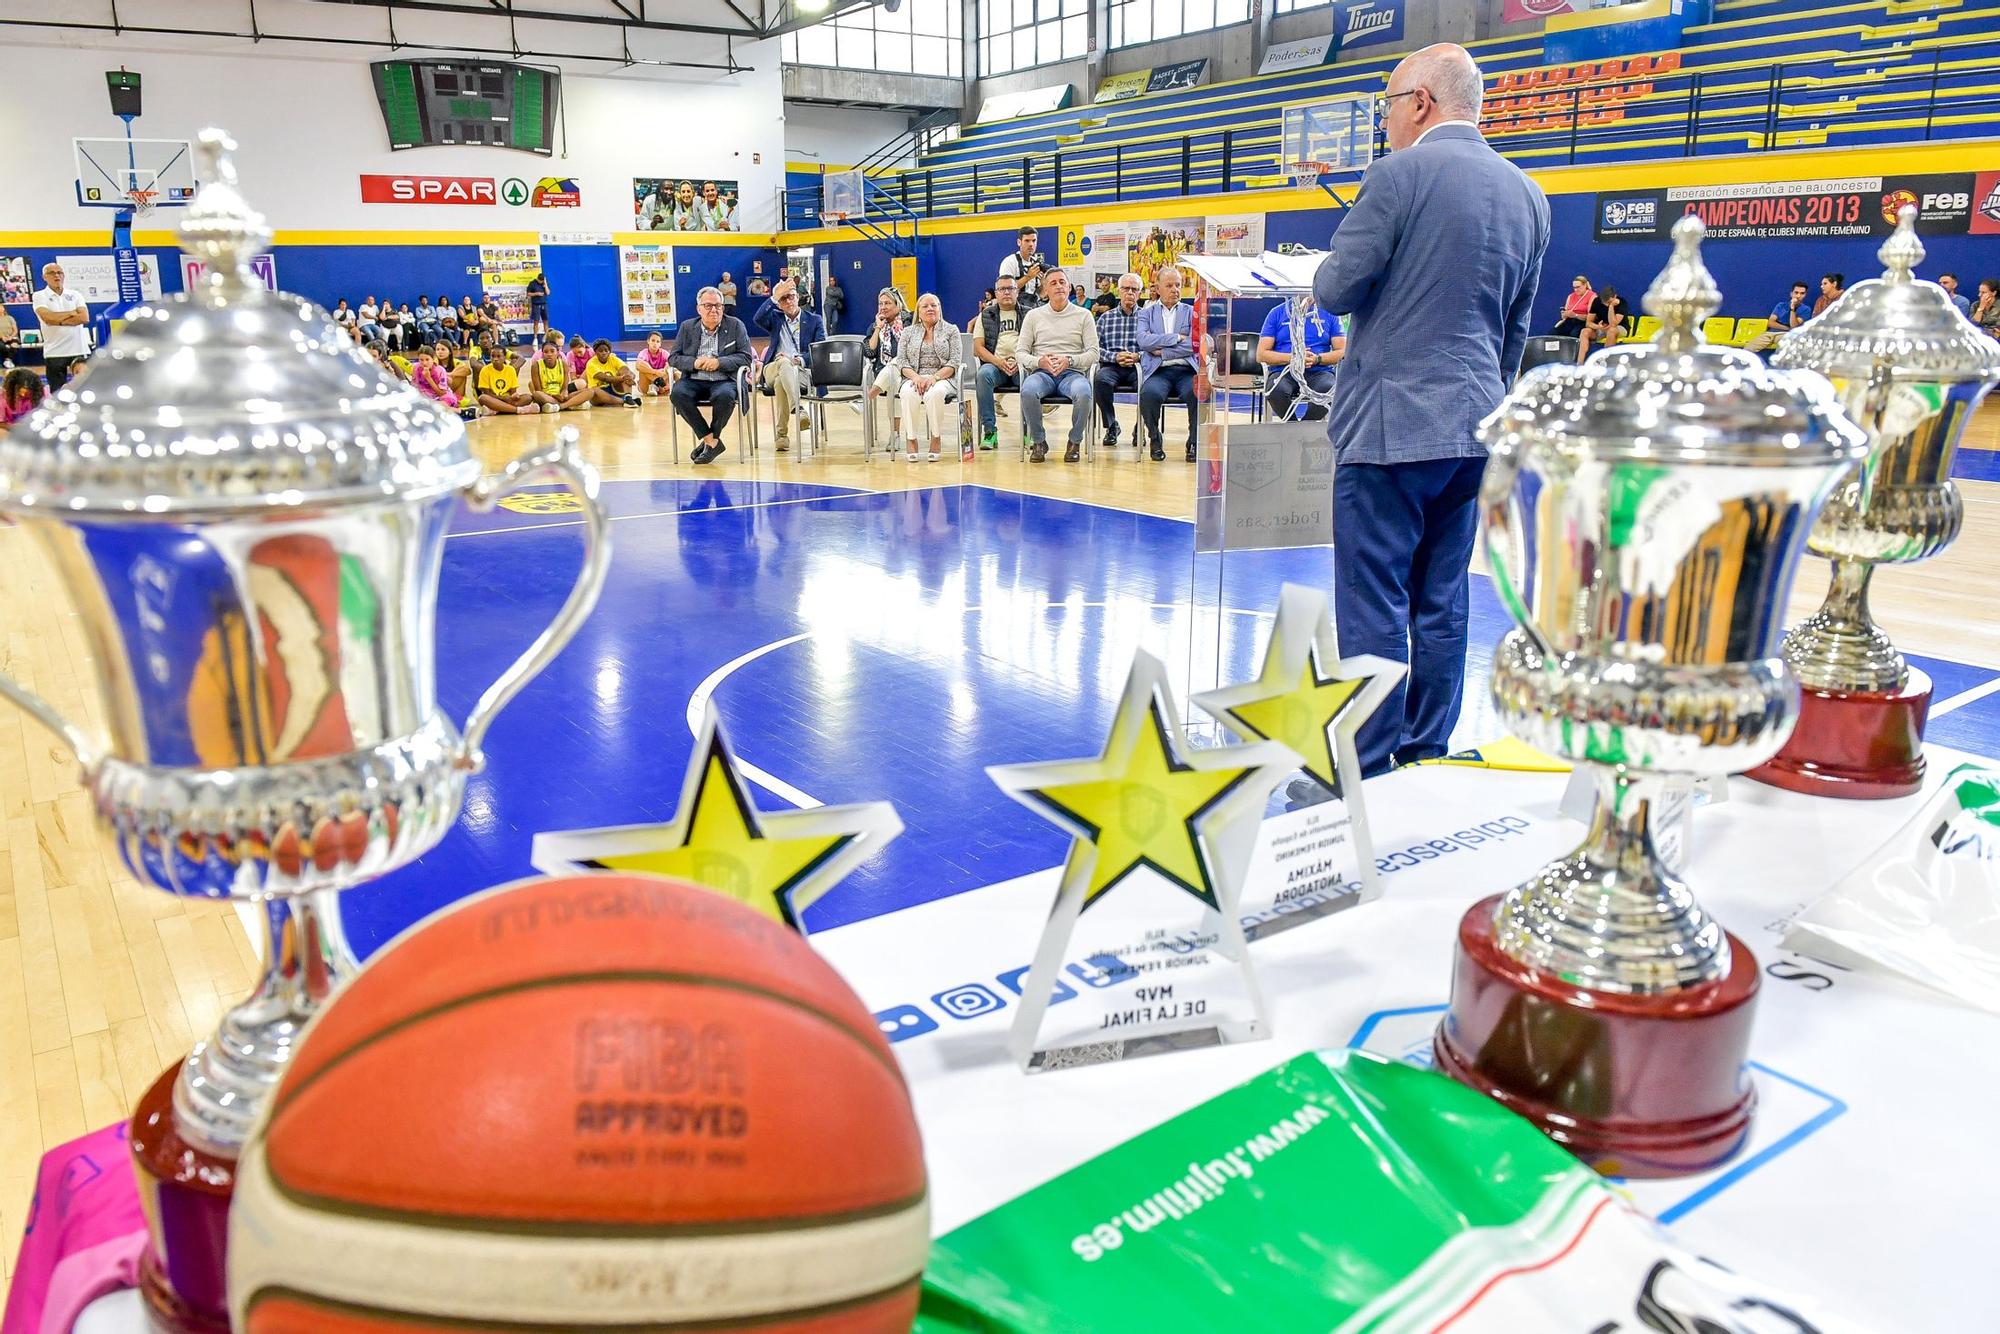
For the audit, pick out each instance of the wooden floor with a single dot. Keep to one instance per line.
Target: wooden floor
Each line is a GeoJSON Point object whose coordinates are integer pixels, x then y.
{"type": "Point", "coordinates": [103, 983]}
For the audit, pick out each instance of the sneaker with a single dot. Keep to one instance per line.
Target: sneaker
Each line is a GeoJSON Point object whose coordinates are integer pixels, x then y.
{"type": "Point", "coordinates": [1073, 453]}
{"type": "Point", "coordinates": [551, 407]}
{"type": "Point", "coordinates": [631, 400]}
{"type": "Point", "coordinates": [468, 414]}
{"type": "Point", "coordinates": [991, 440]}
{"type": "Point", "coordinates": [783, 446]}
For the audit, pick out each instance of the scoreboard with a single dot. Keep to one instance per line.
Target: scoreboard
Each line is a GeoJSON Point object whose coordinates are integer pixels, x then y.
{"type": "Point", "coordinates": [490, 103]}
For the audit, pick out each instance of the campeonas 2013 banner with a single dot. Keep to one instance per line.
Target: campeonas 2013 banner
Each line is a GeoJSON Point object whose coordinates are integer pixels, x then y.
{"type": "Point", "coordinates": [1947, 205]}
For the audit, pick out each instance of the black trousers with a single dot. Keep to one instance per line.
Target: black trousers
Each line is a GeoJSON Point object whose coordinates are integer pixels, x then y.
{"type": "Point", "coordinates": [689, 394]}
{"type": "Point", "coordinates": [1169, 382]}
{"type": "Point", "coordinates": [1109, 380]}
{"type": "Point", "coordinates": [1285, 393]}
{"type": "Point", "coordinates": [58, 370]}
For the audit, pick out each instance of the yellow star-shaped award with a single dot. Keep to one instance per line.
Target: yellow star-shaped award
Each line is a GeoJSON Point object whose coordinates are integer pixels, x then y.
{"type": "Point", "coordinates": [1147, 803]}
{"type": "Point", "coordinates": [777, 862]}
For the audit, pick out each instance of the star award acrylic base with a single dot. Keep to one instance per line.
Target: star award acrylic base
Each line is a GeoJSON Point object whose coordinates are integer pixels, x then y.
{"type": "Point", "coordinates": [1143, 952]}
{"type": "Point", "coordinates": [1317, 858]}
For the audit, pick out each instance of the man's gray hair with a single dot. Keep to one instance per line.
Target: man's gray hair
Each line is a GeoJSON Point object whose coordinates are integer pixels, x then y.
{"type": "Point", "coordinates": [1452, 76]}
{"type": "Point", "coordinates": [715, 292]}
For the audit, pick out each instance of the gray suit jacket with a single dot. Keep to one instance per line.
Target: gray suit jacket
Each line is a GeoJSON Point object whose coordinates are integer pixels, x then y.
{"type": "Point", "coordinates": [1436, 264]}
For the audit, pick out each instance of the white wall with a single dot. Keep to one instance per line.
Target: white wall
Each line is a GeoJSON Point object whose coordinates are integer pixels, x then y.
{"type": "Point", "coordinates": [309, 126]}
{"type": "Point", "coordinates": [837, 136]}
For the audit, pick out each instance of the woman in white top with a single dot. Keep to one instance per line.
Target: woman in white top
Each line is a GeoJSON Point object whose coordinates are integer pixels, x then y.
{"type": "Point", "coordinates": [928, 363]}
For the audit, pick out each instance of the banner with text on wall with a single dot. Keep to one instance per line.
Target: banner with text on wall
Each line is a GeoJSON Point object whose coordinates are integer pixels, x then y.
{"type": "Point", "coordinates": [1107, 250]}
{"type": "Point", "coordinates": [1368, 22]}
{"type": "Point", "coordinates": [1948, 204]}
{"type": "Point", "coordinates": [1120, 87]}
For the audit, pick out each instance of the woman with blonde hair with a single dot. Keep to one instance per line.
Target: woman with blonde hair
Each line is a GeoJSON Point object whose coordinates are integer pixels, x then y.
{"type": "Point", "coordinates": [928, 364]}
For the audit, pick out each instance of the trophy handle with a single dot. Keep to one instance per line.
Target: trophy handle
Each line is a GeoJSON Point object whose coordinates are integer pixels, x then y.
{"type": "Point", "coordinates": [1499, 519]}
{"type": "Point", "coordinates": [564, 462]}
{"type": "Point", "coordinates": [44, 713]}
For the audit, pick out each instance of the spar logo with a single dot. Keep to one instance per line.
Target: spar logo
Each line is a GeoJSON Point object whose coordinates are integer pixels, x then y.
{"type": "Point", "coordinates": [428, 190]}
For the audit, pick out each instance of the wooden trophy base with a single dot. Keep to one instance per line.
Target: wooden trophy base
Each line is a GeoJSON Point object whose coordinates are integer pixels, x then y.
{"type": "Point", "coordinates": [1636, 1086]}
{"type": "Point", "coordinates": [184, 1192]}
{"type": "Point", "coordinates": [1866, 745]}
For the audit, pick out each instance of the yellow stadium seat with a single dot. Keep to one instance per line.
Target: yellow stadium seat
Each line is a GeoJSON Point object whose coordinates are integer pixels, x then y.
{"type": "Point", "coordinates": [1648, 326]}
{"type": "Point", "coordinates": [1747, 330]}
{"type": "Point", "coordinates": [1718, 329]}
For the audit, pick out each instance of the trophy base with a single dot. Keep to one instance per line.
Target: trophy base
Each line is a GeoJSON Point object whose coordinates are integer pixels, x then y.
{"type": "Point", "coordinates": [1636, 1086]}
{"type": "Point", "coordinates": [184, 1192]}
{"type": "Point", "coordinates": [1864, 745]}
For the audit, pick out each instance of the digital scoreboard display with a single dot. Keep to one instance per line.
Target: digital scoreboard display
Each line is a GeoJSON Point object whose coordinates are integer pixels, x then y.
{"type": "Point", "coordinates": [498, 105]}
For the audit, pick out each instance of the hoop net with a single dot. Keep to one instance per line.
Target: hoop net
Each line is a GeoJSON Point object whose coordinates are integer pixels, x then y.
{"type": "Point", "coordinates": [141, 201]}
{"type": "Point", "coordinates": [1307, 174]}
{"type": "Point", "coordinates": [832, 217]}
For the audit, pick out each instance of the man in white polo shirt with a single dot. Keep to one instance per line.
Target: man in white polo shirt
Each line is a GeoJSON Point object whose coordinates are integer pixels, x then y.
{"type": "Point", "coordinates": [64, 319]}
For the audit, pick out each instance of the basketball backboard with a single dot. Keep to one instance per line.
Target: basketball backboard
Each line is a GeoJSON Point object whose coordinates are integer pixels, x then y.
{"type": "Point", "coordinates": [136, 174]}
{"type": "Point", "coordinates": [1328, 137]}
{"type": "Point", "coordinates": [842, 195]}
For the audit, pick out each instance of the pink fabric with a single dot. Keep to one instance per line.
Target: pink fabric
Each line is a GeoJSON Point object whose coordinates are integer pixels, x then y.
{"type": "Point", "coordinates": [432, 384]}
{"type": "Point", "coordinates": [13, 412]}
{"type": "Point", "coordinates": [578, 360]}
{"type": "Point", "coordinates": [1578, 305]}
{"type": "Point", "coordinates": [656, 360]}
{"type": "Point", "coordinates": [85, 1234]}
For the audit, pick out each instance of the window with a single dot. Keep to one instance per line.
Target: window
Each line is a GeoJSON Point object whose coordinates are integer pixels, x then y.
{"type": "Point", "coordinates": [1294, 6]}
{"type": "Point", "coordinates": [924, 37]}
{"type": "Point", "coordinates": [1021, 34]}
{"type": "Point", "coordinates": [1134, 22]}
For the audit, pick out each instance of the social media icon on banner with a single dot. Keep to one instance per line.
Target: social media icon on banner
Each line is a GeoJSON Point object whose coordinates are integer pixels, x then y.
{"type": "Point", "coordinates": [904, 1021]}
{"type": "Point", "coordinates": [1102, 970]}
{"type": "Point", "coordinates": [1013, 977]}
{"type": "Point", "coordinates": [969, 1001]}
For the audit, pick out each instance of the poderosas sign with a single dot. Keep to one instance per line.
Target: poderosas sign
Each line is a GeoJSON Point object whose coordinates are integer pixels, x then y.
{"type": "Point", "coordinates": [1856, 206]}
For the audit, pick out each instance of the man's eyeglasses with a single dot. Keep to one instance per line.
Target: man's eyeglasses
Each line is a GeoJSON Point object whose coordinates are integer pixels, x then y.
{"type": "Point", "coordinates": [1390, 97]}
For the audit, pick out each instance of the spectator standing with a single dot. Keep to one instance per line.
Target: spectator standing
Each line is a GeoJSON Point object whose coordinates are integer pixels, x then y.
{"type": "Point", "coordinates": [1949, 282]}
{"type": "Point", "coordinates": [928, 360]}
{"type": "Point", "coordinates": [1325, 346]}
{"type": "Point", "coordinates": [709, 352]}
{"type": "Point", "coordinates": [1118, 356]}
{"type": "Point", "coordinates": [728, 289]}
{"type": "Point", "coordinates": [1830, 287]}
{"type": "Point", "coordinates": [1607, 322]}
{"type": "Point", "coordinates": [1986, 310]}
{"type": "Point", "coordinates": [1786, 316]}
{"type": "Point", "coordinates": [538, 303]}
{"type": "Point", "coordinates": [20, 394]}
{"type": "Point", "coordinates": [1024, 266]}
{"type": "Point", "coordinates": [1059, 340]}
{"type": "Point", "coordinates": [652, 366]}
{"type": "Point", "coordinates": [994, 344]}
{"type": "Point", "coordinates": [1435, 264]}
{"type": "Point", "coordinates": [883, 347]}
{"type": "Point", "coordinates": [793, 331]}
{"type": "Point", "coordinates": [835, 304]}
{"type": "Point", "coordinates": [1576, 308]}
{"type": "Point", "coordinates": [1166, 361]}
{"type": "Point", "coordinates": [65, 321]}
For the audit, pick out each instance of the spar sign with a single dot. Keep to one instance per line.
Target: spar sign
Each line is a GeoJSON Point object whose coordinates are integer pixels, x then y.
{"type": "Point", "coordinates": [429, 190]}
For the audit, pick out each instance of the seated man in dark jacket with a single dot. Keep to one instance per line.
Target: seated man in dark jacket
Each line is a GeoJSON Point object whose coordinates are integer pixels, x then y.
{"type": "Point", "coordinates": [788, 360]}
{"type": "Point", "coordinates": [708, 353]}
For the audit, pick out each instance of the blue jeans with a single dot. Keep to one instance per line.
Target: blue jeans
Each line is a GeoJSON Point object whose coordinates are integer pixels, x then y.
{"type": "Point", "coordinates": [1071, 385]}
{"type": "Point", "coordinates": [991, 377]}
{"type": "Point", "coordinates": [1402, 539]}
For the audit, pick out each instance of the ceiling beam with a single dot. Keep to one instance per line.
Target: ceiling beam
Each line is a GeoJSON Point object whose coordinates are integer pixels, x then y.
{"type": "Point", "coordinates": [493, 10]}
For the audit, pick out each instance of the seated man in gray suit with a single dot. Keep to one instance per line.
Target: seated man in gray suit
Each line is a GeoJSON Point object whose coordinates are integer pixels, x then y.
{"type": "Point", "coordinates": [1435, 264]}
{"type": "Point", "coordinates": [708, 353]}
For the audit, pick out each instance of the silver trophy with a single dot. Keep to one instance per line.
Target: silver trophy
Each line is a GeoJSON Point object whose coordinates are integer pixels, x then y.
{"type": "Point", "coordinates": [1644, 514]}
{"type": "Point", "coordinates": [1911, 371]}
{"type": "Point", "coordinates": [248, 517]}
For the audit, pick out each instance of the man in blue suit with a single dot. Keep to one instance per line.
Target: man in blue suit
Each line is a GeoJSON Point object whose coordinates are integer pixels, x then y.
{"type": "Point", "coordinates": [1435, 264]}
{"type": "Point", "coordinates": [787, 369]}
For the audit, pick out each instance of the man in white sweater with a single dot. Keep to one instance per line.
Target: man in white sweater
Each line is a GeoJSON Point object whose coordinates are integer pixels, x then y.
{"type": "Point", "coordinates": [1059, 340]}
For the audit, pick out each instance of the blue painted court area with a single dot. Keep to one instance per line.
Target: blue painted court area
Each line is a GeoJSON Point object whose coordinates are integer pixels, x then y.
{"type": "Point", "coordinates": [859, 645]}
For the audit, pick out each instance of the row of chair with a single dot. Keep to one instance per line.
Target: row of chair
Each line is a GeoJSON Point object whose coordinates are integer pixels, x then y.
{"type": "Point", "coordinates": [1590, 71]}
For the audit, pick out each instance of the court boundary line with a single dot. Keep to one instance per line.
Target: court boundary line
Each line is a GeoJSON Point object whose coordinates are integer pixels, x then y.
{"type": "Point", "coordinates": [840, 494]}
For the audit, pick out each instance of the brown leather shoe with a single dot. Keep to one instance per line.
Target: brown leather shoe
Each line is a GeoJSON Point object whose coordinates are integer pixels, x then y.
{"type": "Point", "coordinates": [1072, 454]}
{"type": "Point", "coordinates": [1038, 454]}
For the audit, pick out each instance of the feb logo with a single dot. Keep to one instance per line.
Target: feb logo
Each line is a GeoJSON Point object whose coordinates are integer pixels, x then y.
{"type": "Point", "coordinates": [1895, 202]}
{"type": "Point", "coordinates": [542, 502]}
{"type": "Point", "coordinates": [556, 192]}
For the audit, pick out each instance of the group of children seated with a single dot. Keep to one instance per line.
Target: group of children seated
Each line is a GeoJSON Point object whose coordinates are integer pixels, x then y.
{"type": "Point", "coordinates": [489, 380]}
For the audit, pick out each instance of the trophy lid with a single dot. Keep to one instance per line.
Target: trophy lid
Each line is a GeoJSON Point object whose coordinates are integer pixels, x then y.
{"type": "Point", "coordinates": [1679, 399]}
{"type": "Point", "coordinates": [229, 398]}
{"type": "Point", "coordinates": [1898, 322]}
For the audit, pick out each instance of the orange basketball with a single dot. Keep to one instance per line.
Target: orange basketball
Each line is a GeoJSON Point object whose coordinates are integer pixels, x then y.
{"type": "Point", "coordinates": [595, 1101]}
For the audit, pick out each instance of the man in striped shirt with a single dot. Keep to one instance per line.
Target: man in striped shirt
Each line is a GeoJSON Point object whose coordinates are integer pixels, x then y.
{"type": "Point", "coordinates": [1118, 357]}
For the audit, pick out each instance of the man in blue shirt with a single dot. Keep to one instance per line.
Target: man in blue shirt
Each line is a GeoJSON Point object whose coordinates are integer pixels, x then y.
{"type": "Point", "coordinates": [1786, 316]}
{"type": "Point", "coordinates": [1949, 282]}
{"type": "Point", "coordinates": [1166, 360]}
{"type": "Point", "coordinates": [1325, 346]}
{"type": "Point", "coordinates": [787, 372]}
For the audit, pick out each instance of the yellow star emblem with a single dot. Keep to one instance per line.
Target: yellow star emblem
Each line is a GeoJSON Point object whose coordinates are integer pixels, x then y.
{"type": "Point", "coordinates": [776, 862]}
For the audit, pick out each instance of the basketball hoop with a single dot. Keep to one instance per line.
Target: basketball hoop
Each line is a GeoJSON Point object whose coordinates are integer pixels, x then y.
{"type": "Point", "coordinates": [141, 201]}
{"type": "Point", "coordinates": [832, 217]}
{"type": "Point", "coordinates": [1307, 174]}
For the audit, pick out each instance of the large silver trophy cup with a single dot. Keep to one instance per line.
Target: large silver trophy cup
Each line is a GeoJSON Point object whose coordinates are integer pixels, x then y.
{"type": "Point", "coordinates": [248, 517]}
{"type": "Point", "coordinates": [1644, 514]}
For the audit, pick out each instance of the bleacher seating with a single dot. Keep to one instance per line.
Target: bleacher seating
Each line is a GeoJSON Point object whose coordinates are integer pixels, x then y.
{"type": "Point", "coordinates": [1875, 72]}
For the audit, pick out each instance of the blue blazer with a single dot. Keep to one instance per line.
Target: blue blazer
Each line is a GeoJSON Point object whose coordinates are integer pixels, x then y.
{"type": "Point", "coordinates": [1436, 264]}
{"type": "Point", "coordinates": [811, 327]}
{"type": "Point", "coordinates": [1160, 338]}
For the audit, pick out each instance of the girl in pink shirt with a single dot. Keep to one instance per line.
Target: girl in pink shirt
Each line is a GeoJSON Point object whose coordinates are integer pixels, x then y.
{"type": "Point", "coordinates": [653, 377]}
{"type": "Point", "coordinates": [431, 382]}
{"type": "Point", "coordinates": [579, 357]}
{"type": "Point", "coordinates": [21, 395]}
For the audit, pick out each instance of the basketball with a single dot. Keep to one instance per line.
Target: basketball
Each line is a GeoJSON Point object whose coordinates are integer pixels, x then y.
{"type": "Point", "coordinates": [591, 1102]}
